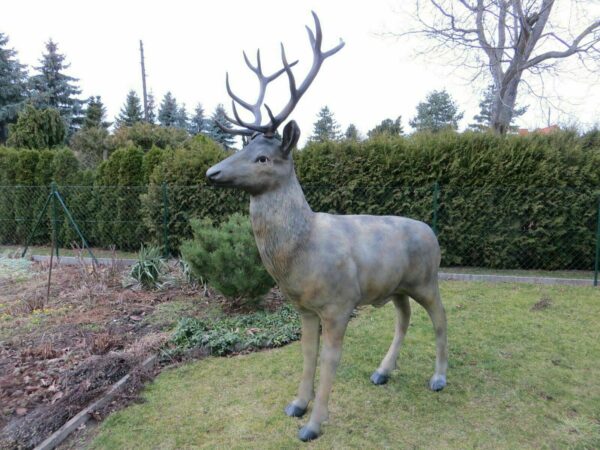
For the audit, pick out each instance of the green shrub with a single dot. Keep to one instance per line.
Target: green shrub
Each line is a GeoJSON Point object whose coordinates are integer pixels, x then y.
{"type": "Point", "coordinates": [37, 129]}
{"type": "Point", "coordinates": [235, 334]}
{"type": "Point", "coordinates": [91, 144]}
{"type": "Point", "coordinates": [119, 184]}
{"type": "Point", "coordinates": [144, 135]}
{"type": "Point", "coordinates": [226, 257]}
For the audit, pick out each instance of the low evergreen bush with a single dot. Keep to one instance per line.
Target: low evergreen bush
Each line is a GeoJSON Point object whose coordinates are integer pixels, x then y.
{"type": "Point", "coordinates": [238, 333]}
{"type": "Point", "coordinates": [225, 256]}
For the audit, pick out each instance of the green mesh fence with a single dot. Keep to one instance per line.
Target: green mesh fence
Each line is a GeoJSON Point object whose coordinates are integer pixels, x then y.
{"type": "Point", "coordinates": [493, 227]}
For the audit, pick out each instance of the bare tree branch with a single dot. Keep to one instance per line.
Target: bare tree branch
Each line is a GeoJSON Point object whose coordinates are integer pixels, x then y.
{"type": "Point", "coordinates": [513, 38]}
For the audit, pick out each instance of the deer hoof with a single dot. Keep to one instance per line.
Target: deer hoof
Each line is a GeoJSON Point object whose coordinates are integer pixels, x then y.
{"type": "Point", "coordinates": [294, 411]}
{"type": "Point", "coordinates": [379, 378]}
{"type": "Point", "coordinates": [306, 434]}
{"type": "Point", "coordinates": [437, 382]}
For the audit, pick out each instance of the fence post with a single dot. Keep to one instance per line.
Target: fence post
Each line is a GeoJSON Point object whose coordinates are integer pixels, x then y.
{"type": "Point", "coordinates": [436, 195]}
{"type": "Point", "coordinates": [165, 195]}
{"type": "Point", "coordinates": [54, 189]}
{"type": "Point", "coordinates": [597, 261]}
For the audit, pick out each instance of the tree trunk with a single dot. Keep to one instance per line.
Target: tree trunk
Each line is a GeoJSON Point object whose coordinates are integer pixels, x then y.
{"type": "Point", "coordinates": [504, 105]}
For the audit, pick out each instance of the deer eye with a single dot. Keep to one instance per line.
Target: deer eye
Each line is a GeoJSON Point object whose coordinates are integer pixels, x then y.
{"type": "Point", "coordinates": [262, 159]}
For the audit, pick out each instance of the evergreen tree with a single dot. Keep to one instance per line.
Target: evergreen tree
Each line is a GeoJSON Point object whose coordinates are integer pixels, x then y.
{"type": "Point", "coordinates": [168, 111]}
{"type": "Point", "coordinates": [131, 112]}
{"type": "Point", "coordinates": [483, 120]}
{"type": "Point", "coordinates": [437, 112]}
{"type": "Point", "coordinates": [37, 129]}
{"type": "Point", "coordinates": [182, 118]}
{"type": "Point", "coordinates": [198, 121]}
{"type": "Point", "coordinates": [52, 88]}
{"type": "Point", "coordinates": [213, 131]}
{"type": "Point", "coordinates": [151, 105]}
{"type": "Point", "coordinates": [351, 133]}
{"type": "Point", "coordinates": [95, 113]}
{"type": "Point", "coordinates": [388, 127]}
{"type": "Point", "coordinates": [92, 142]}
{"type": "Point", "coordinates": [13, 89]}
{"type": "Point", "coordinates": [325, 128]}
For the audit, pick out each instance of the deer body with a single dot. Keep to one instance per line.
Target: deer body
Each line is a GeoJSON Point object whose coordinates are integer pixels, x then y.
{"type": "Point", "coordinates": [313, 256]}
{"type": "Point", "coordinates": [325, 264]}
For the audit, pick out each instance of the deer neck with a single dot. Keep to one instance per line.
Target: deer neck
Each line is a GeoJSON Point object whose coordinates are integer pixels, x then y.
{"type": "Point", "coordinates": [281, 221]}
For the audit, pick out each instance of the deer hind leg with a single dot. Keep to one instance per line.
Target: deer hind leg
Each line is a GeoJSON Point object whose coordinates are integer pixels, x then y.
{"type": "Point", "coordinates": [310, 351]}
{"type": "Point", "coordinates": [382, 374]}
{"type": "Point", "coordinates": [429, 298]}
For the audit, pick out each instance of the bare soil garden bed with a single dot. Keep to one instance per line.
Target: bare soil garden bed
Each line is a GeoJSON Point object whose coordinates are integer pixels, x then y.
{"type": "Point", "coordinates": [58, 356]}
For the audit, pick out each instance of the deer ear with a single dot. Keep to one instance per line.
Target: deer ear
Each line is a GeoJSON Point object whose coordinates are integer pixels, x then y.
{"type": "Point", "coordinates": [291, 134]}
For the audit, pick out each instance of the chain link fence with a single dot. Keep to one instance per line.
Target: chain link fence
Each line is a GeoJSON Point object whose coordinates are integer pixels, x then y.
{"type": "Point", "coordinates": [480, 228]}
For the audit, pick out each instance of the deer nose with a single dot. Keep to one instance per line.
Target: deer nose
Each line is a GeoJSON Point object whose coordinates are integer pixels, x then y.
{"type": "Point", "coordinates": [212, 174]}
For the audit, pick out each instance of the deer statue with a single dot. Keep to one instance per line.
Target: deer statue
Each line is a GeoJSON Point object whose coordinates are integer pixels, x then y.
{"type": "Point", "coordinates": [327, 265]}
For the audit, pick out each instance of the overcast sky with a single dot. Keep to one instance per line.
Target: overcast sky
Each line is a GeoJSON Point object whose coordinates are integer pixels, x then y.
{"type": "Point", "coordinates": [190, 45]}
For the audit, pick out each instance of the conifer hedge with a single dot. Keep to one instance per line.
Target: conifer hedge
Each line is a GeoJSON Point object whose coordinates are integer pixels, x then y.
{"type": "Point", "coordinates": [503, 201]}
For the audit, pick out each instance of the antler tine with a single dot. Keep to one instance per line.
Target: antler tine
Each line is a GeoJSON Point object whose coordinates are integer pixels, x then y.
{"type": "Point", "coordinates": [233, 130]}
{"type": "Point", "coordinates": [319, 31]}
{"type": "Point", "coordinates": [270, 113]}
{"type": "Point", "coordinates": [245, 104]}
{"type": "Point", "coordinates": [290, 74]}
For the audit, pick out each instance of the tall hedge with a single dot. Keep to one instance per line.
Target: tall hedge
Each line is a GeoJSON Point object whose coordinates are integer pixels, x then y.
{"type": "Point", "coordinates": [506, 202]}
{"type": "Point", "coordinates": [118, 214]}
{"type": "Point", "coordinates": [183, 171]}
{"type": "Point", "coordinates": [510, 202]}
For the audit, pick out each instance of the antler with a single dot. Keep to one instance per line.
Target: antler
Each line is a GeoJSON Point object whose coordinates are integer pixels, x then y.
{"type": "Point", "coordinates": [253, 108]}
{"type": "Point", "coordinates": [295, 93]}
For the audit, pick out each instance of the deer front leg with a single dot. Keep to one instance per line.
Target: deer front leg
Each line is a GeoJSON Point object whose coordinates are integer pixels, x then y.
{"type": "Point", "coordinates": [333, 335]}
{"type": "Point", "coordinates": [310, 351]}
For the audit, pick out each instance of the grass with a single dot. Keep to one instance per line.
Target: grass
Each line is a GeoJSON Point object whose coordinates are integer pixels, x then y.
{"type": "Point", "coordinates": [518, 378]}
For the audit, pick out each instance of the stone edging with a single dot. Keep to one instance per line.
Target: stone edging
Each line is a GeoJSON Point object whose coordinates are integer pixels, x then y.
{"type": "Point", "coordinates": [86, 413]}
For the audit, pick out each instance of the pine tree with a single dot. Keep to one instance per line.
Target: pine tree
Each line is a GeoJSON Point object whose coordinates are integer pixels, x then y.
{"type": "Point", "coordinates": [351, 133]}
{"type": "Point", "coordinates": [325, 128]}
{"type": "Point", "coordinates": [52, 88]}
{"type": "Point", "coordinates": [13, 89]}
{"type": "Point", "coordinates": [95, 113]}
{"type": "Point", "coordinates": [483, 120]}
{"type": "Point", "coordinates": [131, 112]}
{"type": "Point", "coordinates": [168, 111]}
{"type": "Point", "coordinates": [151, 105]}
{"type": "Point", "coordinates": [182, 118]}
{"type": "Point", "coordinates": [436, 113]}
{"type": "Point", "coordinates": [387, 127]}
{"type": "Point", "coordinates": [198, 122]}
{"type": "Point", "coordinates": [213, 131]}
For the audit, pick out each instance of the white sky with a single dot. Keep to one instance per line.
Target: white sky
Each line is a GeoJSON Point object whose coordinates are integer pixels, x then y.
{"type": "Point", "coordinates": [190, 44]}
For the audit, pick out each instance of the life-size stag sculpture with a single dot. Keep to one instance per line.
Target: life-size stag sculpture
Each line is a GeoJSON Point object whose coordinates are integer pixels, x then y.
{"type": "Point", "coordinates": [327, 265]}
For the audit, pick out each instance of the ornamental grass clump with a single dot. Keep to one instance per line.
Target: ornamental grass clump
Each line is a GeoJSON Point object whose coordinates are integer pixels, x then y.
{"type": "Point", "coordinates": [149, 268]}
{"type": "Point", "coordinates": [225, 256]}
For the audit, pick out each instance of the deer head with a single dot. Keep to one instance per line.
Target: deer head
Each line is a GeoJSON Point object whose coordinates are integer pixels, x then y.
{"type": "Point", "coordinates": [265, 161]}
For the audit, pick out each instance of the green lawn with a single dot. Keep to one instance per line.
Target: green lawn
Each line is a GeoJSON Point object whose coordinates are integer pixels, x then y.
{"type": "Point", "coordinates": [518, 378]}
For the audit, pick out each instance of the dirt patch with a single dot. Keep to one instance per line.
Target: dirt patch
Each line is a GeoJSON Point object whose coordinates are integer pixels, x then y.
{"type": "Point", "coordinates": [543, 303]}
{"type": "Point", "coordinates": [57, 356]}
